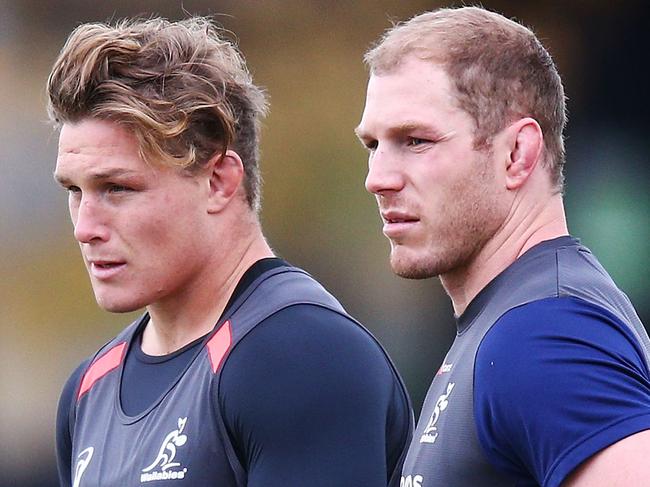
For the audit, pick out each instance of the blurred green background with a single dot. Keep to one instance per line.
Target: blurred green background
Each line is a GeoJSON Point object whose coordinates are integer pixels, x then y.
{"type": "Point", "coordinates": [316, 213]}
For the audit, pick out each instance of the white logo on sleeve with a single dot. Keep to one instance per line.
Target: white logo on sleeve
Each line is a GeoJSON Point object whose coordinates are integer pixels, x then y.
{"type": "Point", "coordinates": [166, 455]}
{"type": "Point", "coordinates": [430, 433]}
{"type": "Point", "coordinates": [83, 459]}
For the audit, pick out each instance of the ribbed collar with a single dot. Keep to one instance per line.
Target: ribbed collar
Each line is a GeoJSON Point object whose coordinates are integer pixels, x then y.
{"type": "Point", "coordinates": [464, 321]}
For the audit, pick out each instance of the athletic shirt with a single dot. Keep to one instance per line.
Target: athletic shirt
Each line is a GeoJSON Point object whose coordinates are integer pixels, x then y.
{"type": "Point", "coordinates": [245, 410]}
{"type": "Point", "coordinates": [548, 367]}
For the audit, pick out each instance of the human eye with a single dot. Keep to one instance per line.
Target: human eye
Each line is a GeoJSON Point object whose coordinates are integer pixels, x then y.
{"type": "Point", "coordinates": [370, 145]}
{"type": "Point", "coordinates": [74, 192]}
{"type": "Point", "coordinates": [416, 141]}
{"type": "Point", "coordinates": [115, 188]}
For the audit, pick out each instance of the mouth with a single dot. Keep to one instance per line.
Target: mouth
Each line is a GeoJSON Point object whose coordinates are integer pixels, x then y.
{"type": "Point", "coordinates": [396, 223]}
{"type": "Point", "coordinates": [397, 216]}
{"type": "Point", "coordinates": [400, 220]}
{"type": "Point", "coordinates": [105, 269]}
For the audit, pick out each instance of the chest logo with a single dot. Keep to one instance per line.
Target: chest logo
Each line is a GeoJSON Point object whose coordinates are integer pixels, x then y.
{"type": "Point", "coordinates": [83, 459]}
{"type": "Point", "coordinates": [164, 467]}
{"type": "Point", "coordinates": [430, 433]}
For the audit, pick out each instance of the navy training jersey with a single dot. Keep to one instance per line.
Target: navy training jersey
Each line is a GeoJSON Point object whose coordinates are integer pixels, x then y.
{"type": "Point", "coordinates": [548, 367]}
{"type": "Point", "coordinates": [245, 410]}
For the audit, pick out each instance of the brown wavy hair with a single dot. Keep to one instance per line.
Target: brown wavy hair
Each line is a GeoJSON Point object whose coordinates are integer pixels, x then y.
{"type": "Point", "coordinates": [180, 87]}
{"type": "Point", "coordinates": [498, 67]}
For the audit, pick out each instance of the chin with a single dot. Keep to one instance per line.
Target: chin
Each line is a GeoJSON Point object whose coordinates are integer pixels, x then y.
{"type": "Point", "coordinates": [413, 268]}
{"type": "Point", "coordinates": [114, 305]}
{"type": "Point", "coordinates": [424, 264]}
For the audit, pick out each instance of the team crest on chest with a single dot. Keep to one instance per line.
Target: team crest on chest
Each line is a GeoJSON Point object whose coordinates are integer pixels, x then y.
{"type": "Point", "coordinates": [165, 466]}
{"type": "Point", "coordinates": [430, 433]}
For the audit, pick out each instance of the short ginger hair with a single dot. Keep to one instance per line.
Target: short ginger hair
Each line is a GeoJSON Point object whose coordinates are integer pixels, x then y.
{"type": "Point", "coordinates": [498, 68]}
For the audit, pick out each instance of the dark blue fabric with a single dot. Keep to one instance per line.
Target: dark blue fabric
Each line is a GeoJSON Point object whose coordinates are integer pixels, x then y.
{"type": "Point", "coordinates": [302, 381]}
{"type": "Point", "coordinates": [146, 377]}
{"type": "Point", "coordinates": [545, 374]}
{"type": "Point", "coordinates": [63, 433]}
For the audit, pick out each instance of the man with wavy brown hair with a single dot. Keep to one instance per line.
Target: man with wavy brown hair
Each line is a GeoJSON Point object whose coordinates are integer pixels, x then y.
{"type": "Point", "coordinates": [243, 371]}
{"type": "Point", "coordinates": [548, 379]}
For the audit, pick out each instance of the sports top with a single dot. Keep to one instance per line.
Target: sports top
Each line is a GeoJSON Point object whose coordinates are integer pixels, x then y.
{"type": "Point", "coordinates": [549, 366]}
{"type": "Point", "coordinates": [194, 434]}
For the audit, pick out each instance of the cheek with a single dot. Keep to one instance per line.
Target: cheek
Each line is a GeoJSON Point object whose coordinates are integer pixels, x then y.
{"type": "Point", "coordinates": [174, 229]}
{"type": "Point", "coordinates": [166, 239]}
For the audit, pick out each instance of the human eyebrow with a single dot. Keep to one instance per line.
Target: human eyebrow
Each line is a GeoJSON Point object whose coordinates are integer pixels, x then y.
{"type": "Point", "coordinates": [404, 129]}
{"type": "Point", "coordinates": [112, 173]}
{"type": "Point", "coordinates": [98, 177]}
{"type": "Point", "coordinates": [409, 127]}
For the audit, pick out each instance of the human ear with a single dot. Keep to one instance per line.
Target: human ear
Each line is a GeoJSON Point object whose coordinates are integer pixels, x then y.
{"type": "Point", "coordinates": [225, 173]}
{"type": "Point", "coordinates": [525, 142]}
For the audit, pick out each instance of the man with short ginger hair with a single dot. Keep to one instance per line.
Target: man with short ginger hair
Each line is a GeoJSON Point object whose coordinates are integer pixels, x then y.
{"type": "Point", "coordinates": [548, 381]}
{"type": "Point", "coordinates": [244, 371]}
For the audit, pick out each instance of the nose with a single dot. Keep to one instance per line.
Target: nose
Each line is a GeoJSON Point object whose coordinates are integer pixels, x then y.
{"type": "Point", "coordinates": [87, 221]}
{"type": "Point", "coordinates": [384, 174]}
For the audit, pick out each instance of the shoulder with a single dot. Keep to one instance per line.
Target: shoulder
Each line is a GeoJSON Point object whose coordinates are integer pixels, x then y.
{"type": "Point", "coordinates": [67, 400]}
{"type": "Point", "coordinates": [305, 366]}
{"type": "Point", "coordinates": [106, 358]}
{"type": "Point", "coordinates": [307, 336]}
{"type": "Point", "coordinates": [71, 386]}
{"type": "Point", "coordinates": [556, 327]}
{"type": "Point", "coordinates": [556, 345]}
{"type": "Point", "coordinates": [63, 423]}
{"type": "Point", "coordinates": [555, 381]}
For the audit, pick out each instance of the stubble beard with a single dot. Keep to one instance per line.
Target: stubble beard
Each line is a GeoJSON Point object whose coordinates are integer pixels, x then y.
{"type": "Point", "coordinates": [469, 219]}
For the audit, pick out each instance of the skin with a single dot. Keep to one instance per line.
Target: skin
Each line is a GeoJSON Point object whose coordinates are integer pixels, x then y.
{"type": "Point", "coordinates": [161, 238]}
{"type": "Point", "coordinates": [448, 209]}
{"type": "Point", "coordinates": [437, 196]}
{"type": "Point", "coordinates": [623, 464]}
{"type": "Point", "coordinates": [465, 215]}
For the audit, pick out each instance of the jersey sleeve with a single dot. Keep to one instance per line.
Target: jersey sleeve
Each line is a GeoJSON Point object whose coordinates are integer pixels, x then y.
{"type": "Point", "coordinates": [63, 433]}
{"type": "Point", "coordinates": [556, 381]}
{"type": "Point", "coordinates": [308, 397]}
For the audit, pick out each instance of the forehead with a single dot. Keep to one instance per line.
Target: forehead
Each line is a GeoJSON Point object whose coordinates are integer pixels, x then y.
{"type": "Point", "coordinates": [95, 137]}
{"type": "Point", "coordinates": [97, 145]}
{"type": "Point", "coordinates": [416, 90]}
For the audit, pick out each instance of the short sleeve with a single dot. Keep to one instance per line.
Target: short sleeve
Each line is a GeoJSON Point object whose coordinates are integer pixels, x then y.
{"type": "Point", "coordinates": [556, 381]}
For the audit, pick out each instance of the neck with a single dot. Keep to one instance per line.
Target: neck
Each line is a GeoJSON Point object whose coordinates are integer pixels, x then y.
{"type": "Point", "coordinates": [183, 319]}
{"type": "Point", "coordinates": [540, 221]}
